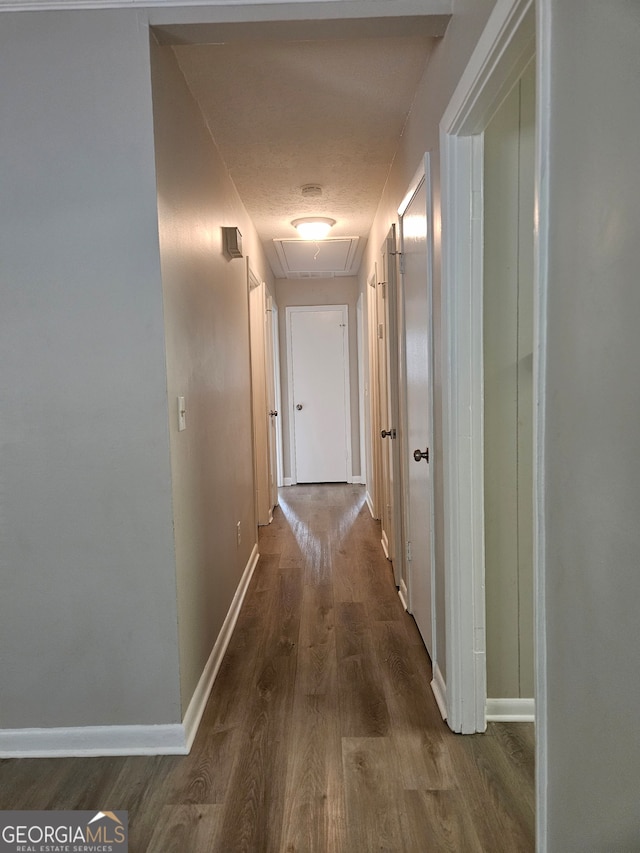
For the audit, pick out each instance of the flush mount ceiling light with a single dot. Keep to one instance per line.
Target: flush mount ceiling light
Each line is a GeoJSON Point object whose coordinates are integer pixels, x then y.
{"type": "Point", "coordinates": [313, 227]}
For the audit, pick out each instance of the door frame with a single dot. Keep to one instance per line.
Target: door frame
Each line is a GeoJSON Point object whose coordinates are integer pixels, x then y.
{"type": "Point", "coordinates": [297, 309]}
{"type": "Point", "coordinates": [260, 429]}
{"type": "Point", "coordinates": [271, 399]}
{"type": "Point", "coordinates": [276, 368]}
{"type": "Point", "coordinates": [374, 475]}
{"type": "Point", "coordinates": [422, 175]}
{"type": "Point", "coordinates": [394, 549]}
{"type": "Point", "coordinates": [361, 342]}
{"type": "Point", "coordinates": [504, 49]}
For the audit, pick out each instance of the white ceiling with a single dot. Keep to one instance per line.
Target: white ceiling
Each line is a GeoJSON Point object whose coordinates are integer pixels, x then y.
{"type": "Point", "coordinates": [288, 113]}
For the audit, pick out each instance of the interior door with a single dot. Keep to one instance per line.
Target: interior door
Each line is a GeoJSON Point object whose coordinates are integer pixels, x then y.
{"type": "Point", "coordinates": [388, 402]}
{"type": "Point", "coordinates": [319, 394]}
{"type": "Point", "coordinates": [416, 286]}
{"type": "Point", "coordinates": [374, 486]}
{"type": "Point", "coordinates": [259, 400]}
{"type": "Point", "coordinates": [272, 406]}
{"type": "Point", "coordinates": [384, 431]}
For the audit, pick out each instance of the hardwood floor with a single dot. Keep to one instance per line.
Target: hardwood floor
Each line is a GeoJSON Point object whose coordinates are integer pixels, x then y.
{"type": "Point", "coordinates": [321, 734]}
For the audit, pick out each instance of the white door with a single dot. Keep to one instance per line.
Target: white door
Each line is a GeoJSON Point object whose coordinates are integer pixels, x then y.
{"type": "Point", "coordinates": [319, 397]}
{"type": "Point", "coordinates": [272, 405]}
{"type": "Point", "coordinates": [259, 399]}
{"type": "Point", "coordinates": [416, 285]}
{"type": "Point", "coordinates": [383, 436]}
{"type": "Point", "coordinates": [388, 400]}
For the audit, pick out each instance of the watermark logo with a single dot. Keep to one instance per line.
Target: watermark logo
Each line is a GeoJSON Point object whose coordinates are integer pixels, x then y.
{"type": "Point", "coordinates": [64, 832]}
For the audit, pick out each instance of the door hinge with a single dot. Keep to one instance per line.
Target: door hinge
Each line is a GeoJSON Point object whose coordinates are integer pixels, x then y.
{"type": "Point", "coordinates": [400, 256]}
{"type": "Point", "coordinates": [409, 557]}
{"type": "Point", "coordinates": [380, 331]}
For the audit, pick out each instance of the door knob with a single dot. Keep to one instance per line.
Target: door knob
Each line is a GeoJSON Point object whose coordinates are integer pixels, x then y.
{"type": "Point", "coordinates": [388, 433]}
{"type": "Point", "coordinates": [273, 414]}
{"type": "Point", "coordinates": [421, 454]}
{"type": "Point", "coordinates": [299, 407]}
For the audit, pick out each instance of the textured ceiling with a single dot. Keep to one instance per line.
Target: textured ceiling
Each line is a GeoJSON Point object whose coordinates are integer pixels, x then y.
{"type": "Point", "coordinates": [285, 114]}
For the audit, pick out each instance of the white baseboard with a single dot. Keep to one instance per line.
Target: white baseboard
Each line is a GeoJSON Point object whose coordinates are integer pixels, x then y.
{"type": "Point", "coordinates": [169, 739]}
{"type": "Point", "coordinates": [403, 592]}
{"type": "Point", "coordinates": [288, 481]}
{"type": "Point", "coordinates": [439, 688]}
{"type": "Point", "coordinates": [201, 694]}
{"type": "Point", "coordinates": [355, 480]}
{"type": "Point", "coordinates": [511, 710]}
{"type": "Point", "coordinates": [87, 741]}
{"type": "Point", "coordinates": [369, 503]}
{"type": "Point", "coordinates": [385, 544]}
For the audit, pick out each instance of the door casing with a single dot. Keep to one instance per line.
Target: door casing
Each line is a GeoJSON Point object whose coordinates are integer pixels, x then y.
{"type": "Point", "coordinates": [259, 398]}
{"type": "Point", "coordinates": [505, 48]}
{"type": "Point", "coordinates": [389, 418]}
{"type": "Point", "coordinates": [272, 401]}
{"type": "Point", "coordinates": [374, 480]}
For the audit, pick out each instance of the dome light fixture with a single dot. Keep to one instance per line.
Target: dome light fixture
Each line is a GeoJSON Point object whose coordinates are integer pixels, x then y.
{"type": "Point", "coordinates": [313, 227]}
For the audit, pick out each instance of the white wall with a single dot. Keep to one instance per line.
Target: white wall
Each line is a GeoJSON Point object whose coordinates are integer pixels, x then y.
{"type": "Point", "coordinates": [421, 134]}
{"type": "Point", "coordinates": [342, 290]}
{"type": "Point", "coordinates": [590, 126]}
{"type": "Point", "coordinates": [207, 330]}
{"type": "Point", "coordinates": [88, 632]}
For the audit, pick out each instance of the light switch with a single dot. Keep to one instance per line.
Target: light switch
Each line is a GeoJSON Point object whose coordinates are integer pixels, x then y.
{"type": "Point", "coordinates": [182, 414]}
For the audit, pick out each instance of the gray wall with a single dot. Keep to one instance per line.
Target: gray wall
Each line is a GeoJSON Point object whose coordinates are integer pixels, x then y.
{"type": "Point", "coordinates": [88, 632]}
{"type": "Point", "coordinates": [207, 332]}
{"type": "Point", "coordinates": [591, 551]}
{"type": "Point", "coordinates": [342, 290]}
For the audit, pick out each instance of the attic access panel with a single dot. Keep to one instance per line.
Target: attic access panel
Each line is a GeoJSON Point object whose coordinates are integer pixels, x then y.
{"type": "Point", "coordinates": [331, 255]}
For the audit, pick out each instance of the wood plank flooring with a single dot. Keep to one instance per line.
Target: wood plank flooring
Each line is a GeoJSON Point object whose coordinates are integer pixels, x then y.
{"type": "Point", "coordinates": [321, 734]}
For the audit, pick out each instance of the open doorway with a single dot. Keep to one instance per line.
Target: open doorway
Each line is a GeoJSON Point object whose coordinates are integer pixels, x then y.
{"type": "Point", "coordinates": [498, 62]}
{"type": "Point", "coordinates": [509, 167]}
{"type": "Point", "coordinates": [399, 66]}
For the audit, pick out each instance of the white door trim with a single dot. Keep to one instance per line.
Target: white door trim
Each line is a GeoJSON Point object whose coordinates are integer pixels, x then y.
{"type": "Point", "coordinates": [394, 550]}
{"type": "Point", "coordinates": [276, 367]}
{"type": "Point", "coordinates": [296, 309]}
{"type": "Point", "coordinates": [256, 290]}
{"type": "Point", "coordinates": [374, 477]}
{"type": "Point", "coordinates": [422, 175]}
{"type": "Point", "coordinates": [361, 398]}
{"type": "Point", "coordinates": [503, 51]}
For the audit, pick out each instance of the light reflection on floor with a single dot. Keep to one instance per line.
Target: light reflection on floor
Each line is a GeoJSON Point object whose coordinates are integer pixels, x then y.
{"type": "Point", "coordinates": [315, 546]}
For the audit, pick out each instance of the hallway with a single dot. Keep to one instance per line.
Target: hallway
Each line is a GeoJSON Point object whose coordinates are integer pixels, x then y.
{"type": "Point", "coordinates": [321, 733]}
